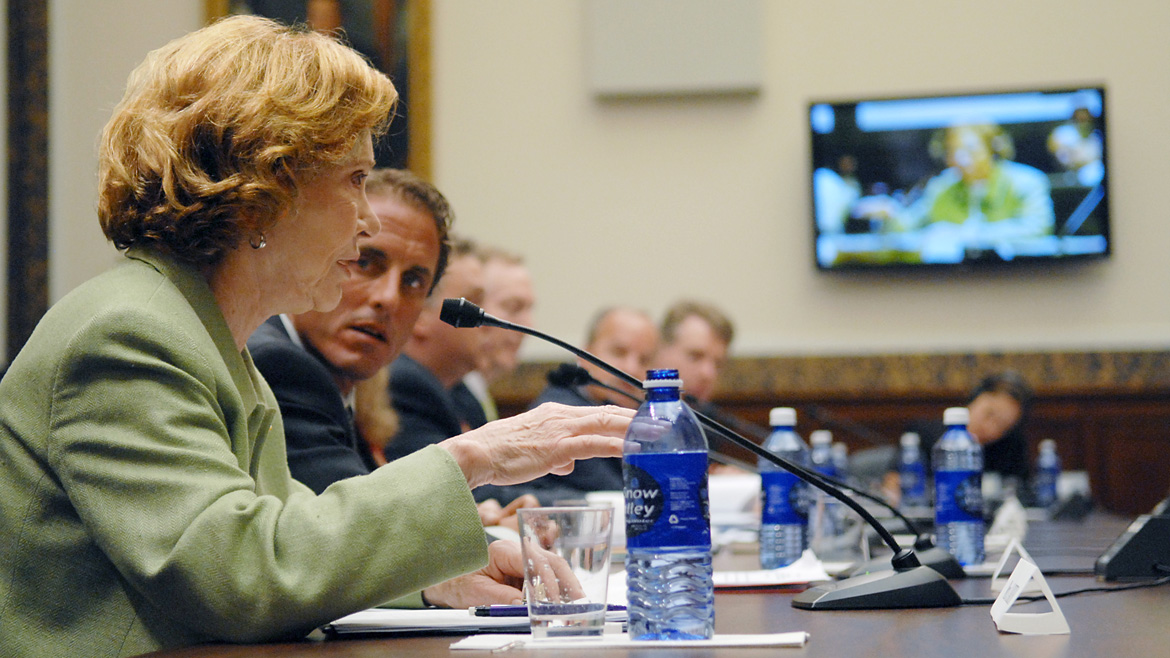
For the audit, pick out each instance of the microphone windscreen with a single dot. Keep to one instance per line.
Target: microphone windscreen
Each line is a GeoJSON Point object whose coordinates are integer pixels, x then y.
{"type": "Point", "coordinates": [568, 375]}
{"type": "Point", "coordinates": [461, 313]}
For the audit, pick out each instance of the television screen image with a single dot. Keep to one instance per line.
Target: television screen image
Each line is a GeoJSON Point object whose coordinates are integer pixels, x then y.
{"type": "Point", "coordinates": [960, 180]}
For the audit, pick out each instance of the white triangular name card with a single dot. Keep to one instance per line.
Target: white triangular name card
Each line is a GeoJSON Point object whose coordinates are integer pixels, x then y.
{"type": "Point", "coordinates": [997, 582]}
{"type": "Point", "coordinates": [1024, 623]}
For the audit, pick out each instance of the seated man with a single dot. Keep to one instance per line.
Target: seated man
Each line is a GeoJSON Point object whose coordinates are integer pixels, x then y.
{"type": "Point", "coordinates": [695, 340]}
{"type": "Point", "coordinates": [313, 360]}
{"type": "Point", "coordinates": [435, 358]}
{"type": "Point", "coordinates": [626, 338]}
{"type": "Point", "coordinates": [509, 296]}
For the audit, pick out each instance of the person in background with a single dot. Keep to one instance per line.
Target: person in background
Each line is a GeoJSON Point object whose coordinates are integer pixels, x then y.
{"type": "Point", "coordinates": [435, 358]}
{"type": "Point", "coordinates": [623, 337]}
{"type": "Point", "coordinates": [145, 496]}
{"type": "Point", "coordinates": [998, 408]}
{"type": "Point", "coordinates": [1078, 147]}
{"type": "Point", "coordinates": [695, 340]}
{"type": "Point", "coordinates": [508, 295]}
{"type": "Point", "coordinates": [313, 361]}
{"type": "Point", "coordinates": [627, 338]}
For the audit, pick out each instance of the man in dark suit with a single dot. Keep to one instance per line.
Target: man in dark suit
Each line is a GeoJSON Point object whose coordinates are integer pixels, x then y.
{"type": "Point", "coordinates": [627, 338]}
{"type": "Point", "coordinates": [509, 295]}
{"type": "Point", "coordinates": [313, 360]}
{"type": "Point", "coordinates": [434, 359]}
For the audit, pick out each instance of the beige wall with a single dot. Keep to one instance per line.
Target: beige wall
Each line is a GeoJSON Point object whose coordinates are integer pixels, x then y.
{"type": "Point", "coordinates": [644, 201]}
{"type": "Point", "coordinates": [93, 46]}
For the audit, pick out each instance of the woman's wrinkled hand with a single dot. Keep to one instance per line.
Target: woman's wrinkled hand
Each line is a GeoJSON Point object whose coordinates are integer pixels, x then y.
{"type": "Point", "coordinates": [547, 439]}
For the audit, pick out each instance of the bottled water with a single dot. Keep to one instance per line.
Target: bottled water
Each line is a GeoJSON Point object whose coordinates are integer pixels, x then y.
{"type": "Point", "coordinates": [784, 517]}
{"type": "Point", "coordinates": [668, 528]}
{"type": "Point", "coordinates": [841, 460]}
{"type": "Point", "coordinates": [1047, 473]}
{"type": "Point", "coordinates": [912, 472]}
{"type": "Point", "coordinates": [958, 490]}
{"type": "Point", "coordinates": [821, 452]}
{"type": "Point", "coordinates": [827, 516]}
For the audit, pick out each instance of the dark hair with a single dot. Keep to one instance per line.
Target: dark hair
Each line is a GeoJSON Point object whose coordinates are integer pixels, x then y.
{"type": "Point", "coordinates": [1010, 382]}
{"type": "Point", "coordinates": [1008, 455]}
{"type": "Point", "coordinates": [417, 192]}
{"type": "Point", "coordinates": [456, 247]}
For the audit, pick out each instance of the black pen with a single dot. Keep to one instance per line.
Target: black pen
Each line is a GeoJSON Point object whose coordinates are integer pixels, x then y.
{"type": "Point", "coordinates": [519, 610]}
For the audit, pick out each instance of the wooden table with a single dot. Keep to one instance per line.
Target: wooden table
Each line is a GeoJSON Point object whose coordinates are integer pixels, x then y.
{"type": "Point", "coordinates": [1129, 623]}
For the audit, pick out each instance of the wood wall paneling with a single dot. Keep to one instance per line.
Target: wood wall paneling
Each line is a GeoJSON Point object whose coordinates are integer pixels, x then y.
{"type": "Point", "coordinates": [1109, 412]}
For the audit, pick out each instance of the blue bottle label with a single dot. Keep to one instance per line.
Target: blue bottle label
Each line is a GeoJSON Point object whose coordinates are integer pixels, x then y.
{"type": "Point", "coordinates": [914, 480]}
{"type": "Point", "coordinates": [666, 500]}
{"type": "Point", "coordinates": [785, 499]}
{"type": "Point", "coordinates": [958, 496]}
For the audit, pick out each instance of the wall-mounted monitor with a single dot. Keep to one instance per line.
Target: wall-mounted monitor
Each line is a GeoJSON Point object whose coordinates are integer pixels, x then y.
{"type": "Point", "coordinates": [960, 180]}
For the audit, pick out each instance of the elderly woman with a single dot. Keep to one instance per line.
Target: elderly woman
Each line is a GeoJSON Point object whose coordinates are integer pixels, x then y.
{"type": "Point", "coordinates": [145, 498]}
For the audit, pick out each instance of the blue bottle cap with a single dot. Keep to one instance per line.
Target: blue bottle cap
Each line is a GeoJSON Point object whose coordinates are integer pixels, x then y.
{"type": "Point", "coordinates": [662, 378]}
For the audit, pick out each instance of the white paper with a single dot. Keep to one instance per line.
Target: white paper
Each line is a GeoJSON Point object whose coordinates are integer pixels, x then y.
{"type": "Point", "coordinates": [1024, 623]}
{"type": "Point", "coordinates": [733, 499]}
{"type": "Point", "coordinates": [807, 569]}
{"type": "Point", "coordinates": [377, 620]}
{"type": "Point", "coordinates": [615, 592]}
{"type": "Point", "coordinates": [496, 642]}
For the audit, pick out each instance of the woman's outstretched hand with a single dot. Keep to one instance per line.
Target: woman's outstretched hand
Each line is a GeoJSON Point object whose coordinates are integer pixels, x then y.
{"type": "Point", "coordinates": [547, 439]}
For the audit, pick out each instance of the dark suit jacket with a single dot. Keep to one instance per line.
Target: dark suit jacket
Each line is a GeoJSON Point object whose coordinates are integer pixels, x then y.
{"type": "Point", "coordinates": [322, 444]}
{"type": "Point", "coordinates": [468, 406]}
{"type": "Point", "coordinates": [426, 411]}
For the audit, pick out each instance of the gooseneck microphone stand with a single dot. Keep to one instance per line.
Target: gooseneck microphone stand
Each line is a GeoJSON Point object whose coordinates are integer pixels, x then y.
{"type": "Point", "coordinates": [907, 585]}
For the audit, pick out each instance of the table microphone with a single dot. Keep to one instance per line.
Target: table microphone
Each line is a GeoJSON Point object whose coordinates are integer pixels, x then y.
{"type": "Point", "coordinates": [908, 585]}
{"type": "Point", "coordinates": [571, 375]}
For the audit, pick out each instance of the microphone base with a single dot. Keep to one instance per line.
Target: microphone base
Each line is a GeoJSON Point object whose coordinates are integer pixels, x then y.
{"type": "Point", "coordinates": [920, 587]}
{"type": "Point", "coordinates": [936, 558]}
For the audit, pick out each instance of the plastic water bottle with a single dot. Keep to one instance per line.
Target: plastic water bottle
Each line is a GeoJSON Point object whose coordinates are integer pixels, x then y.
{"type": "Point", "coordinates": [826, 517]}
{"type": "Point", "coordinates": [668, 526]}
{"type": "Point", "coordinates": [912, 472]}
{"type": "Point", "coordinates": [1047, 473]}
{"type": "Point", "coordinates": [784, 517]}
{"type": "Point", "coordinates": [821, 452]}
{"type": "Point", "coordinates": [958, 490]}
{"type": "Point", "coordinates": [841, 460]}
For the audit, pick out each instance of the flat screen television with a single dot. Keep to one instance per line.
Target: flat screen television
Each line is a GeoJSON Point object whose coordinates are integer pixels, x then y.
{"type": "Point", "coordinates": [960, 180]}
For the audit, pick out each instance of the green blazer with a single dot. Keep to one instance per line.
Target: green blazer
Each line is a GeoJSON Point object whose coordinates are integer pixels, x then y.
{"type": "Point", "coordinates": [145, 497]}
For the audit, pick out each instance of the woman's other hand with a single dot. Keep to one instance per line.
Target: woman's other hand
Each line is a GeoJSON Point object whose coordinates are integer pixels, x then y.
{"type": "Point", "coordinates": [501, 582]}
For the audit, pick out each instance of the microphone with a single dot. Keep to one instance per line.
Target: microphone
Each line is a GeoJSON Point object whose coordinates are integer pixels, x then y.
{"type": "Point", "coordinates": [908, 585]}
{"type": "Point", "coordinates": [571, 375]}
